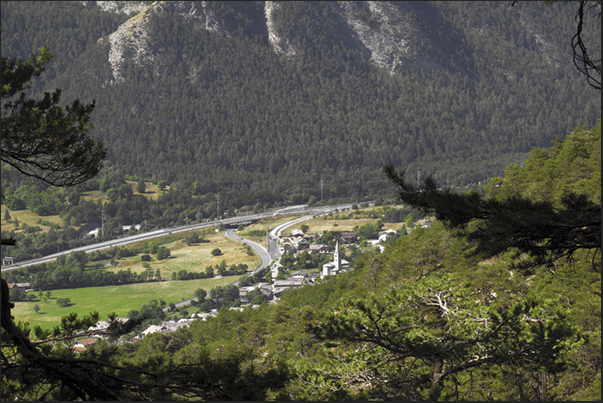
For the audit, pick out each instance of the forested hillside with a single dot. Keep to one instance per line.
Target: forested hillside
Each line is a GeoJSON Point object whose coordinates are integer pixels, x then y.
{"type": "Point", "coordinates": [211, 106]}
{"type": "Point", "coordinates": [427, 319]}
{"type": "Point", "coordinates": [258, 104]}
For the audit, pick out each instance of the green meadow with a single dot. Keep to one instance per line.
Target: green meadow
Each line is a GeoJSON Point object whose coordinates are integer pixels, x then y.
{"type": "Point", "coordinates": [119, 299]}
{"type": "Point", "coordinates": [194, 258]}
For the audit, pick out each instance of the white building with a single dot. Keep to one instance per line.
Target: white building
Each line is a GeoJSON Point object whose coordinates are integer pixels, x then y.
{"type": "Point", "coordinates": [383, 234]}
{"type": "Point", "coordinates": [336, 266]}
{"type": "Point", "coordinates": [102, 325]}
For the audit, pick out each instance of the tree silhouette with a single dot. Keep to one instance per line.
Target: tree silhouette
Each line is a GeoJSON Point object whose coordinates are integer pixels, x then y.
{"type": "Point", "coordinates": [583, 58]}
{"type": "Point", "coordinates": [40, 138]}
{"type": "Point", "coordinates": [545, 233]}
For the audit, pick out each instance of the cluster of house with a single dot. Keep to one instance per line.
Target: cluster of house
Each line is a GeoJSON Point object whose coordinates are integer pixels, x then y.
{"type": "Point", "coordinates": [98, 331]}
{"type": "Point", "coordinates": [274, 291]}
{"type": "Point", "coordinates": [297, 243]}
{"type": "Point", "coordinates": [21, 286]}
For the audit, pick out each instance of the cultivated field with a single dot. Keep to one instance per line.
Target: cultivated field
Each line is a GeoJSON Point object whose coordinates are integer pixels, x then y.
{"type": "Point", "coordinates": [266, 225]}
{"type": "Point", "coordinates": [320, 225]}
{"type": "Point", "coordinates": [151, 192]}
{"type": "Point", "coordinates": [29, 218]}
{"type": "Point", "coordinates": [122, 299]}
{"type": "Point", "coordinates": [119, 299]}
{"type": "Point", "coordinates": [194, 258]}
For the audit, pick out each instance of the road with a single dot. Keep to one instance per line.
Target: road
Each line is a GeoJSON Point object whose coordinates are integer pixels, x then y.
{"type": "Point", "coordinates": [259, 249]}
{"type": "Point", "coordinates": [317, 210]}
{"type": "Point", "coordinates": [265, 257]}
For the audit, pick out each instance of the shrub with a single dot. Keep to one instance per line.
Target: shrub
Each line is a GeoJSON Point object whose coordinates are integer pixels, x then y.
{"type": "Point", "coordinates": [63, 302]}
{"type": "Point", "coordinates": [163, 253]}
{"type": "Point", "coordinates": [191, 239]}
{"type": "Point", "coordinates": [201, 294]}
{"type": "Point", "coordinates": [259, 299]}
{"type": "Point", "coordinates": [245, 281]}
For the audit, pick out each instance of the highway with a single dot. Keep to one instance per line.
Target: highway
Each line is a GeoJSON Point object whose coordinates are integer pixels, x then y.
{"type": "Point", "coordinates": [265, 257]}
{"type": "Point", "coordinates": [315, 210]}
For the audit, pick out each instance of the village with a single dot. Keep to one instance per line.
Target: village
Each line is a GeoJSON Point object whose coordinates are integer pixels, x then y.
{"type": "Point", "coordinates": [295, 244]}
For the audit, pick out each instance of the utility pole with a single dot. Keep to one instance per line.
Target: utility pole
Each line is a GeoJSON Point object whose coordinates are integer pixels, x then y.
{"type": "Point", "coordinates": [322, 185]}
{"type": "Point", "coordinates": [218, 205]}
{"type": "Point", "coordinates": [418, 179]}
{"type": "Point", "coordinates": [102, 221]}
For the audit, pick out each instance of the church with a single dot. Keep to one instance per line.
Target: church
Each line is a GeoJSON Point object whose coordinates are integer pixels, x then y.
{"type": "Point", "coordinates": [336, 266]}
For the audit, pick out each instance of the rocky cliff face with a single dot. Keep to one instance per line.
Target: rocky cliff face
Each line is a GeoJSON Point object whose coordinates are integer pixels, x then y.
{"type": "Point", "coordinates": [132, 39]}
{"type": "Point", "coordinates": [280, 44]}
{"type": "Point", "coordinates": [384, 31]}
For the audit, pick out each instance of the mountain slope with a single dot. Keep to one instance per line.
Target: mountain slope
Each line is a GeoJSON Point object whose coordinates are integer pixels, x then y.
{"type": "Point", "coordinates": [262, 100]}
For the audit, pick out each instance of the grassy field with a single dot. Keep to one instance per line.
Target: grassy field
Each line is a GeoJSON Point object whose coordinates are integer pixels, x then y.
{"type": "Point", "coordinates": [266, 225]}
{"type": "Point", "coordinates": [119, 299]}
{"type": "Point", "coordinates": [122, 299]}
{"type": "Point", "coordinates": [321, 225]}
{"type": "Point", "coordinates": [194, 258]}
{"type": "Point", "coordinates": [151, 192]}
{"type": "Point", "coordinates": [95, 196]}
{"type": "Point", "coordinates": [29, 218]}
{"type": "Point", "coordinates": [317, 225]}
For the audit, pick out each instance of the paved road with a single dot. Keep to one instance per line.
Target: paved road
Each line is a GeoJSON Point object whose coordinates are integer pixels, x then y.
{"type": "Point", "coordinates": [265, 257]}
{"type": "Point", "coordinates": [163, 232]}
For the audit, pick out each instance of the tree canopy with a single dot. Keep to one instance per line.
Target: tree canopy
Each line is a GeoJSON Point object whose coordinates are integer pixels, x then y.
{"type": "Point", "coordinates": [545, 229]}
{"type": "Point", "coordinates": [223, 113]}
{"type": "Point", "coordinates": [40, 138]}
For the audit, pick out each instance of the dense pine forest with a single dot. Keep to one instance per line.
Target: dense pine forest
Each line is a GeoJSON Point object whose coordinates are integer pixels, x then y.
{"type": "Point", "coordinates": [214, 112]}
{"type": "Point", "coordinates": [253, 105]}
{"type": "Point", "coordinates": [426, 319]}
{"type": "Point", "coordinates": [220, 114]}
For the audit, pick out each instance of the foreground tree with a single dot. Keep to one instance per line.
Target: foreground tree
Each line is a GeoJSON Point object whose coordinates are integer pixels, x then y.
{"type": "Point", "coordinates": [542, 230]}
{"type": "Point", "coordinates": [483, 330]}
{"type": "Point", "coordinates": [40, 138]}
{"type": "Point", "coordinates": [433, 335]}
{"type": "Point", "coordinates": [587, 63]}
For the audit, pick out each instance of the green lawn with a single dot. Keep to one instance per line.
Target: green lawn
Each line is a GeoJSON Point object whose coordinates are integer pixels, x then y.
{"type": "Point", "coordinates": [194, 258]}
{"type": "Point", "coordinates": [119, 299]}
{"type": "Point", "coordinates": [320, 225]}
